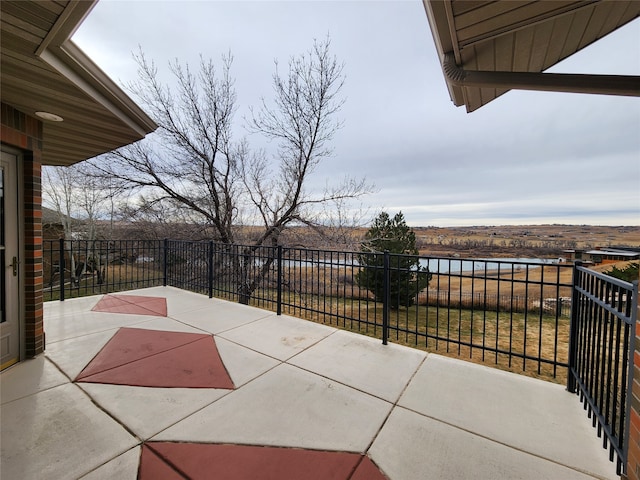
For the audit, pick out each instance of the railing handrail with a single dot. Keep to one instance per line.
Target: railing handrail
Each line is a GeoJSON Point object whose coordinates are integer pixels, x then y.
{"type": "Point", "coordinates": [602, 276]}
{"type": "Point", "coordinates": [514, 288]}
{"type": "Point", "coordinates": [602, 341]}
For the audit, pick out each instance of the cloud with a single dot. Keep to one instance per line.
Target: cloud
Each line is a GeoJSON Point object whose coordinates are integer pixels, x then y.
{"type": "Point", "coordinates": [526, 157]}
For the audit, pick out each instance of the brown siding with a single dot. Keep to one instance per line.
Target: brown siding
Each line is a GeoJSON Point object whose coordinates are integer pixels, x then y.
{"type": "Point", "coordinates": [25, 133]}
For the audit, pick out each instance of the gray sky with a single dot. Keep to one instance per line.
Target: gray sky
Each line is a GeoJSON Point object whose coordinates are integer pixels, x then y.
{"type": "Point", "coordinates": [528, 157]}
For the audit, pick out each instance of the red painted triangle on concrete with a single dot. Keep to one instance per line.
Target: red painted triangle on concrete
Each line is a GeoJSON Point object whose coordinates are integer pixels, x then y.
{"type": "Point", "coordinates": [131, 344]}
{"type": "Point", "coordinates": [132, 304]}
{"type": "Point", "coordinates": [155, 467]}
{"type": "Point", "coordinates": [241, 462]}
{"type": "Point", "coordinates": [194, 365]}
{"type": "Point", "coordinates": [367, 470]}
{"type": "Point", "coordinates": [158, 305]}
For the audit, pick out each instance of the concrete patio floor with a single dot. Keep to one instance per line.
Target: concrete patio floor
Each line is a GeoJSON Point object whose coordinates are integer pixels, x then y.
{"type": "Point", "coordinates": [297, 385]}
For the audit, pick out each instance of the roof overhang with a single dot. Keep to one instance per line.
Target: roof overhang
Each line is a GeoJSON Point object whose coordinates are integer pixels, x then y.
{"type": "Point", "coordinates": [43, 70]}
{"type": "Point", "coordinates": [488, 48]}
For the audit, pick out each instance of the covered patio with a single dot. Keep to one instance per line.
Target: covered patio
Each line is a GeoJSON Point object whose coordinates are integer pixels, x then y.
{"type": "Point", "coordinates": [165, 383]}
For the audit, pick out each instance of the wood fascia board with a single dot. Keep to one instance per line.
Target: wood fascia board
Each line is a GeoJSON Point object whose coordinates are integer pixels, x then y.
{"type": "Point", "coordinates": [60, 53]}
{"type": "Point", "coordinates": [82, 64]}
{"type": "Point", "coordinates": [67, 23]}
{"type": "Point", "coordinates": [68, 68]}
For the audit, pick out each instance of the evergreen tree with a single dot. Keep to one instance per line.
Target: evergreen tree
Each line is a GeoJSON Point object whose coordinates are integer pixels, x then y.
{"type": "Point", "coordinates": [406, 277]}
{"type": "Point", "coordinates": [629, 273]}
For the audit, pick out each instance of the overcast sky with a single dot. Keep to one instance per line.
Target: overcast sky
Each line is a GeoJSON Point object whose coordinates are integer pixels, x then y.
{"type": "Point", "coordinates": [527, 157]}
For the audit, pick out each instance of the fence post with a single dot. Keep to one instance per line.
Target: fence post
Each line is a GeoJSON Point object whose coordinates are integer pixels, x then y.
{"type": "Point", "coordinates": [279, 282]}
{"type": "Point", "coordinates": [210, 270]}
{"type": "Point", "coordinates": [630, 374]}
{"type": "Point", "coordinates": [385, 298]}
{"type": "Point", "coordinates": [165, 244]}
{"type": "Point", "coordinates": [573, 329]}
{"type": "Point", "coordinates": [61, 267]}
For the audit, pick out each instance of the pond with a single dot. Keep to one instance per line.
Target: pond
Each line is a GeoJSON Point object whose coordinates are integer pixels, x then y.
{"type": "Point", "coordinates": [444, 265]}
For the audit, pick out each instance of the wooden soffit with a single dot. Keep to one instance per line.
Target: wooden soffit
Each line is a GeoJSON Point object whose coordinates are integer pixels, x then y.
{"type": "Point", "coordinates": [528, 37]}
{"type": "Point", "coordinates": [43, 70]}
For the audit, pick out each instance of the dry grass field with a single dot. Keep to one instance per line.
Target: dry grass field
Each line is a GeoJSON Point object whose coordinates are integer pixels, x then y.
{"type": "Point", "coordinates": [523, 240]}
{"type": "Point", "coordinates": [504, 319]}
{"type": "Point", "coordinates": [502, 339]}
{"type": "Point", "coordinates": [512, 317]}
{"type": "Point", "coordinates": [116, 278]}
{"type": "Point", "coordinates": [479, 241]}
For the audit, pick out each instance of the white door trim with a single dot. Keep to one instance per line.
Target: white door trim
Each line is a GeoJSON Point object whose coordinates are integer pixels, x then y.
{"type": "Point", "coordinates": [15, 229]}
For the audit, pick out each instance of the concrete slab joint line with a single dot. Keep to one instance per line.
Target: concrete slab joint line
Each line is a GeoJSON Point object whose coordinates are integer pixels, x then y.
{"type": "Point", "coordinates": [296, 386]}
{"type": "Point", "coordinates": [156, 358]}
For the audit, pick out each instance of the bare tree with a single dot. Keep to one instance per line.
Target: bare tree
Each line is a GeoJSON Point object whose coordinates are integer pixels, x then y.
{"type": "Point", "coordinates": [302, 119]}
{"type": "Point", "coordinates": [194, 164]}
{"type": "Point", "coordinates": [80, 200]}
{"type": "Point", "coordinates": [191, 161]}
{"type": "Point", "coordinates": [59, 189]}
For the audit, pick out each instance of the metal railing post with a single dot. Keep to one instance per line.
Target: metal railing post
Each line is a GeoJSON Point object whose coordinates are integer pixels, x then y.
{"type": "Point", "coordinates": [573, 329]}
{"type": "Point", "coordinates": [210, 270]}
{"type": "Point", "coordinates": [61, 267]}
{"type": "Point", "coordinates": [630, 374]}
{"type": "Point", "coordinates": [279, 282]}
{"type": "Point", "coordinates": [385, 298]}
{"type": "Point", "coordinates": [165, 244]}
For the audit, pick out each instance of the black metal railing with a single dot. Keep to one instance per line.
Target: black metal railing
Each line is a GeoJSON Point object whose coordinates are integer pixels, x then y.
{"type": "Point", "coordinates": [238, 273]}
{"type": "Point", "coordinates": [75, 268]}
{"type": "Point", "coordinates": [602, 348]}
{"type": "Point", "coordinates": [559, 322]}
{"type": "Point", "coordinates": [514, 314]}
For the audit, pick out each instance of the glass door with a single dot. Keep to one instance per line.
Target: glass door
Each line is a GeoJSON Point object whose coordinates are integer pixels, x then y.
{"type": "Point", "coordinates": [9, 262]}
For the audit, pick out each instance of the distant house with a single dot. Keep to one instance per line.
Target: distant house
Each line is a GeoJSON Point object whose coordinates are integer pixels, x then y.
{"type": "Point", "coordinates": [52, 228]}
{"type": "Point", "coordinates": [601, 255]}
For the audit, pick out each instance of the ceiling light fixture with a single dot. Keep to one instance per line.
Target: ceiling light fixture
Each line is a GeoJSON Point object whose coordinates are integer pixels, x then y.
{"type": "Point", "coordinates": [52, 117]}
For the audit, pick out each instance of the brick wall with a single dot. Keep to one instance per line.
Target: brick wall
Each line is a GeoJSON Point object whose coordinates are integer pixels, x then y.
{"type": "Point", "coordinates": [25, 133]}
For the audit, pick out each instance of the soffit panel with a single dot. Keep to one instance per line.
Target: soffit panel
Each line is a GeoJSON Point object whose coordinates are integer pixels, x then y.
{"type": "Point", "coordinates": [33, 16]}
{"type": "Point", "coordinates": [497, 18]}
{"type": "Point", "coordinates": [24, 29]}
{"type": "Point", "coordinates": [30, 84]}
{"type": "Point", "coordinates": [521, 36]}
{"type": "Point", "coordinates": [83, 116]}
{"type": "Point", "coordinates": [17, 38]}
{"type": "Point", "coordinates": [55, 7]}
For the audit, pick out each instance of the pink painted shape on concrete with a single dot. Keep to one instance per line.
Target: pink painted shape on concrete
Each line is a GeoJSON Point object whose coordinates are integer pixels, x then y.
{"type": "Point", "coordinates": [158, 305]}
{"type": "Point", "coordinates": [155, 467]}
{"type": "Point", "coordinates": [194, 365]}
{"type": "Point", "coordinates": [107, 301]}
{"type": "Point", "coordinates": [242, 462]}
{"type": "Point", "coordinates": [131, 344]}
{"type": "Point", "coordinates": [132, 304]}
{"type": "Point", "coordinates": [367, 470]}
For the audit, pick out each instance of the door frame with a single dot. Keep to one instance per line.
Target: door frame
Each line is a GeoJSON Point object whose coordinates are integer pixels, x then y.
{"type": "Point", "coordinates": [18, 182]}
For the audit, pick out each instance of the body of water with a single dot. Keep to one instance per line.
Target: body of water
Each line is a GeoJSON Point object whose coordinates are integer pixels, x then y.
{"type": "Point", "coordinates": [444, 265]}
{"type": "Point", "coordinates": [441, 265]}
